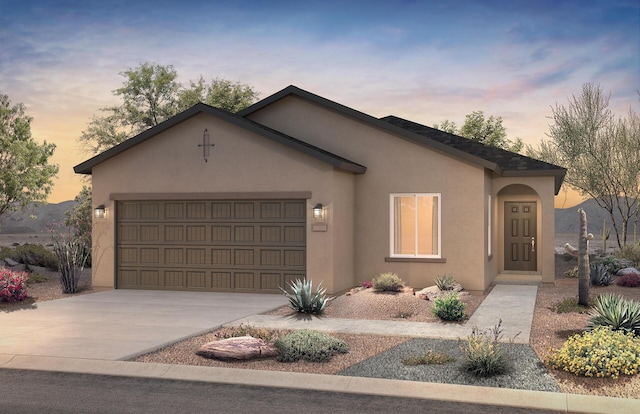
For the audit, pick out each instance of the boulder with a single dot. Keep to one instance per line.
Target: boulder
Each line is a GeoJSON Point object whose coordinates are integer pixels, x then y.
{"type": "Point", "coordinates": [429, 293]}
{"type": "Point", "coordinates": [627, 271]}
{"type": "Point", "coordinates": [10, 262]}
{"type": "Point", "coordinates": [241, 348]}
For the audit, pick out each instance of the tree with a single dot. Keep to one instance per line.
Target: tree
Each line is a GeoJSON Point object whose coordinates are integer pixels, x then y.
{"type": "Point", "coordinates": [151, 94]}
{"type": "Point", "coordinates": [486, 131]}
{"type": "Point", "coordinates": [79, 219]}
{"type": "Point", "coordinates": [25, 173]}
{"type": "Point", "coordinates": [602, 154]}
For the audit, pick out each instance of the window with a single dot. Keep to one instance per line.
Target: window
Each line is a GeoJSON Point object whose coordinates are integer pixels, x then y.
{"type": "Point", "coordinates": [415, 225]}
{"type": "Point", "coordinates": [489, 214]}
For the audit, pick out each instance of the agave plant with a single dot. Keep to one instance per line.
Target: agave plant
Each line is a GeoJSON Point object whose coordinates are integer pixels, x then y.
{"type": "Point", "coordinates": [600, 275]}
{"type": "Point", "coordinates": [616, 312]}
{"type": "Point", "coordinates": [302, 298]}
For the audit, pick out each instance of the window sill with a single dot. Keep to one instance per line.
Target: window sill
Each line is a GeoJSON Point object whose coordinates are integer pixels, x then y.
{"type": "Point", "coordinates": [415, 259]}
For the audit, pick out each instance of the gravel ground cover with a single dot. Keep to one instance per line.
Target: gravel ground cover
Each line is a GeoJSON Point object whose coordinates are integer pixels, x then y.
{"type": "Point", "coordinates": [528, 372]}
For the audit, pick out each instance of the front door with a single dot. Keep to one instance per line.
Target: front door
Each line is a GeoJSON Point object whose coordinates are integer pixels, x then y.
{"type": "Point", "coordinates": [520, 237]}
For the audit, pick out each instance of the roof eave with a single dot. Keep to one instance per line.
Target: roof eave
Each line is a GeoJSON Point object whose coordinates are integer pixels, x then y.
{"type": "Point", "coordinates": [558, 175]}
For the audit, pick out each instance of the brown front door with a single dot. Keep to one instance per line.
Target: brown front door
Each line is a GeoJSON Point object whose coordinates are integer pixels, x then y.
{"type": "Point", "coordinates": [520, 237]}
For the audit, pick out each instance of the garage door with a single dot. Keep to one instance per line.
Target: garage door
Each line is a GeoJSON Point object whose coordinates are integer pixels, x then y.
{"type": "Point", "coordinates": [210, 245]}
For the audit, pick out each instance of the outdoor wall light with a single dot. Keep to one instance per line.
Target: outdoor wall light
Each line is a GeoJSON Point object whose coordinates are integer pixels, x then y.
{"type": "Point", "coordinates": [100, 211]}
{"type": "Point", "coordinates": [318, 211]}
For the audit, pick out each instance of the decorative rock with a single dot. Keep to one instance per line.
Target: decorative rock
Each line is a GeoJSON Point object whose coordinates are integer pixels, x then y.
{"type": "Point", "coordinates": [627, 271]}
{"type": "Point", "coordinates": [429, 292]}
{"type": "Point", "coordinates": [239, 348]}
{"type": "Point", "coordinates": [10, 262]}
{"type": "Point", "coordinates": [408, 289]}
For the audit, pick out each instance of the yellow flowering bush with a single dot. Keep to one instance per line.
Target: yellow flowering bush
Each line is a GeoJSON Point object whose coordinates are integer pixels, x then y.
{"type": "Point", "coordinates": [601, 352]}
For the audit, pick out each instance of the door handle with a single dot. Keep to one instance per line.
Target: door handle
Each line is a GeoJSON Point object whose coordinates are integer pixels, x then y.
{"type": "Point", "coordinates": [533, 244]}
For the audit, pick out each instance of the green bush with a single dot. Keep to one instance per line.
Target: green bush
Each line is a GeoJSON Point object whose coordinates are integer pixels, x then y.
{"type": "Point", "coordinates": [601, 352]}
{"type": "Point", "coordinates": [570, 305]}
{"type": "Point", "coordinates": [616, 312]}
{"type": "Point", "coordinates": [445, 282]}
{"type": "Point", "coordinates": [614, 264]}
{"type": "Point", "coordinates": [31, 254]}
{"type": "Point", "coordinates": [449, 308]}
{"type": "Point", "coordinates": [37, 278]}
{"type": "Point", "coordinates": [483, 354]}
{"type": "Point", "coordinates": [388, 282]}
{"type": "Point", "coordinates": [310, 346]}
{"type": "Point", "coordinates": [302, 298]}
{"type": "Point", "coordinates": [430, 358]}
{"type": "Point", "coordinates": [630, 252]}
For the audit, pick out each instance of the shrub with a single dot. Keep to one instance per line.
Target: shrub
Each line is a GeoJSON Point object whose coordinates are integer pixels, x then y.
{"type": "Point", "coordinates": [70, 249]}
{"type": "Point", "coordinates": [310, 346]}
{"type": "Point", "coordinates": [629, 280]}
{"type": "Point", "coordinates": [630, 252]}
{"type": "Point", "coordinates": [483, 354]}
{"type": "Point", "coordinates": [601, 352]}
{"type": "Point", "coordinates": [600, 275]}
{"type": "Point", "coordinates": [430, 358]}
{"type": "Point", "coordinates": [35, 255]}
{"type": "Point", "coordinates": [570, 305]}
{"type": "Point", "coordinates": [303, 300]}
{"type": "Point", "coordinates": [367, 284]}
{"type": "Point", "coordinates": [449, 308]}
{"type": "Point", "coordinates": [268, 335]}
{"type": "Point", "coordinates": [571, 272]}
{"type": "Point", "coordinates": [616, 312]}
{"type": "Point", "coordinates": [388, 282]}
{"type": "Point", "coordinates": [445, 282]}
{"type": "Point", "coordinates": [615, 263]}
{"type": "Point", "coordinates": [13, 285]}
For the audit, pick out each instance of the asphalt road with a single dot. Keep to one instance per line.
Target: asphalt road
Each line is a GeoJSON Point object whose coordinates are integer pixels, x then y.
{"type": "Point", "coordinates": [54, 392]}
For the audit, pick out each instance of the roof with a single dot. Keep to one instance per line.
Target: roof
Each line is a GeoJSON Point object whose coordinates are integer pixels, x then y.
{"type": "Point", "coordinates": [501, 162]}
{"type": "Point", "coordinates": [318, 153]}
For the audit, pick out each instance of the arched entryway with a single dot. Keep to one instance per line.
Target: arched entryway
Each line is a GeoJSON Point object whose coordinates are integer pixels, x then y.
{"type": "Point", "coordinates": [520, 229]}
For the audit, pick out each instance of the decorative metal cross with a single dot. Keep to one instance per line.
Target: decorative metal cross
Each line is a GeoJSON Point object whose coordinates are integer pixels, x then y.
{"type": "Point", "coordinates": [206, 146]}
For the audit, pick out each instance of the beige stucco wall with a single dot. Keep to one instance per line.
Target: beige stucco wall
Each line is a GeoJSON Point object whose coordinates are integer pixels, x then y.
{"type": "Point", "coordinates": [241, 161]}
{"type": "Point", "coordinates": [396, 165]}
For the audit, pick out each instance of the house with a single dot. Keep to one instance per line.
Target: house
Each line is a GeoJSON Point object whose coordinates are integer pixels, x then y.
{"type": "Point", "coordinates": [300, 186]}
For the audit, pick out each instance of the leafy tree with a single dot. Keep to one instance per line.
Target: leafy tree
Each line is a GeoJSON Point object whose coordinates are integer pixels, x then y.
{"type": "Point", "coordinates": [25, 173]}
{"type": "Point", "coordinates": [221, 93]}
{"type": "Point", "coordinates": [78, 219]}
{"type": "Point", "coordinates": [488, 131]}
{"type": "Point", "coordinates": [601, 152]}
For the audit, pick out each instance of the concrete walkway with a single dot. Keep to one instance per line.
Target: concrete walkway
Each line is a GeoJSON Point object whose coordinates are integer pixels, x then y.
{"type": "Point", "coordinates": [92, 334]}
{"type": "Point", "coordinates": [513, 304]}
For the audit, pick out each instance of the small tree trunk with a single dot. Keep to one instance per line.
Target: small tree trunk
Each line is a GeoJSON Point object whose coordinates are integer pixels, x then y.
{"type": "Point", "coordinates": [583, 261]}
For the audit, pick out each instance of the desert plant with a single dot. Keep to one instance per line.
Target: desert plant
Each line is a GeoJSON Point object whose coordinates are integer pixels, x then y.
{"type": "Point", "coordinates": [367, 284]}
{"type": "Point", "coordinates": [606, 232]}
{"type": "Point", "coordinates": [600, 274]}
{"type": "Point", "coordinates": [388, 282]}
{"type": "Point", "coordinates": [268, 335]}
{"type": "Point", "coordinates": [483, 353]}
{"type": "Point", "coordinates": [37, 278]}
{"type": "Point", "coordinates": [569, 305]}
{"type": "Point", "coordinates": [445, 282]}
{"type": "Point", "coordinates": [572, 272]}
{"type": "Point", "coordinates": [616, 312]}
{"type": "Point", "coordinates": [70, 249]}
{"type": "Point", "coordinates": [616, 263]}
{"type": "Point", "coordinates": [13, 285]}
{"type": "Point", "coordinates": [449, 307]}
{"type": "Point", "coordinates": [631, 252]}
{"type": "Point", "coordinates": [601, 352]}
{"type": "Point", "coordinates": [310, 346]}
{"type": "Point", "coordinates": [430, 358]}
{"type": "Point", "coordinates": [629, 280]}
{"type": "Point", "coordinates": [36, 255]}
{"type": "Point", "coordinates": [302, 298]}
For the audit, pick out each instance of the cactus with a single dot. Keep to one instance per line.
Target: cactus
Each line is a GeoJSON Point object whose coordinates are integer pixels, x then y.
{"type": "Point", "coordinates": [606, 232]}
{"type": "Point", "coordinates": [583, 261]}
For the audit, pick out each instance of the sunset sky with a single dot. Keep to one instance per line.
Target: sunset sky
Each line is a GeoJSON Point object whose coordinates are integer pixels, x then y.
{"type": "Point", "coordinates": [421, 60]}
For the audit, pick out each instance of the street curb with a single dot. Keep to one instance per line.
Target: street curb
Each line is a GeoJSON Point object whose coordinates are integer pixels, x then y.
{"type": "Point", "coordinates": [542, 400]}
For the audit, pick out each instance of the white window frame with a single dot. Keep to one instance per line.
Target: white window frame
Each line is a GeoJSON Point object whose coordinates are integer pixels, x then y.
{"type": "Point", "coordinates": [489, 224]}
{"type": "Point", "coordinates": [392, 226]}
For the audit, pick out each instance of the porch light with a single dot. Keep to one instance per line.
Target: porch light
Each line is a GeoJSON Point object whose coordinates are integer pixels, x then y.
{"type": "Point", "coordinates": [318, 211]}
{"type": "Point", "coordinates": [100, 211]}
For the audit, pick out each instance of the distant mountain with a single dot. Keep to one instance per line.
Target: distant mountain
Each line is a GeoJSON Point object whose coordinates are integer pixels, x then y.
{"type": "Point", "coordinates": [568, 221]}
{"type": "Point", "coordinates": [34, 219]}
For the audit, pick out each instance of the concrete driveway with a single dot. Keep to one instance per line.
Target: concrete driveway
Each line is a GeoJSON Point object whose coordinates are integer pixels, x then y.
{"type": "Point", "coordinates": [119, 324]}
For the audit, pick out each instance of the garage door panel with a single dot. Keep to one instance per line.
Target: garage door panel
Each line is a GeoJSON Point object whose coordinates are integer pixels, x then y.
{"type": "Point", "coordinates": [248, 245]}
